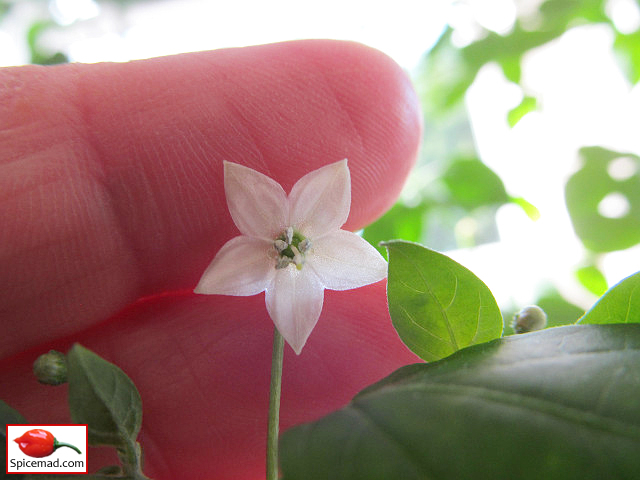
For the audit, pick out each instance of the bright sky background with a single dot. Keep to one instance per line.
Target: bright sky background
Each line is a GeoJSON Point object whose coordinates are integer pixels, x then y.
{"type": "Point", "coordinates": [585, 99]}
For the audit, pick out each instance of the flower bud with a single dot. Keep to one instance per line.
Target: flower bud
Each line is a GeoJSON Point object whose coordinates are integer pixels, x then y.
{"type": "Point", "coordinates": [528, 319]}
{"type": "Point", "coordinates": [51, 368]}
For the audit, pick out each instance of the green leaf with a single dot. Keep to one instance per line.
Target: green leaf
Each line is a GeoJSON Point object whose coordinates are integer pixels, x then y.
{"type": "Point", "coordinates": [472, 184]}
{"type": "Point", "coordinates": [8, 416]}
{"type": "Point", "coordinates": [528, 104]}
{"type": "Point", "coordinates": [628, 48]}
{"type": "Point", "coordinates": [592, 279]}
{"type": "Point", "coordinates": [399, 222]}
{"type": "Point", "coordinates": [102, 396]}
{"type": "Point", "coordinates": [438, 306]}
{"type": "Point", "coordinates": [531, 210]}
{"type": "Point", "coordinates": [560, 403]}
{"type": "Point", "coordinates": [597, 180]}
{"type": "Point", "coordinates": [559, 311]}
{"type": "Point", "coordinates": [621, 304]}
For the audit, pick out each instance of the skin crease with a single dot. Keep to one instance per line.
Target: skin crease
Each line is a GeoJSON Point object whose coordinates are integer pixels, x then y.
{"type": "Point", "coordinates": [112, 206]}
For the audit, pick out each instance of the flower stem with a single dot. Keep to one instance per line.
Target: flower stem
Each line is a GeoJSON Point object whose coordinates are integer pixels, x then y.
{"type": "Point", "coordinates": [274, 406]}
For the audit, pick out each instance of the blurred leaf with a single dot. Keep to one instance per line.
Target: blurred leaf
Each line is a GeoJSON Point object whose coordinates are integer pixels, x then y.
{"type": "Point", "coordinates": [438, 306]}
{"type": "Point", "coordinates": [628, 48]}
{"type": "Point", "coordinates": [5, 6]}
{"type": "Point", "coordinates": [445, 75]}
{"type": "Point", "coordinates": [559, 311]}
{"type": "Point", "coordinates": [589, 186]}
{"type": "Point", "coordinates": [512, 68]}
{"type": "Point", "coordinates": [563, 14]}
{"type": "Point", "coordinates": [621, 304]}
{"type": "Point", "coordinates": [9, 415]}
{"type": "Point", "coordinates": [558, 404]}
{"type": "Point", "coordinates": [532, 212]}
{"type": "Point", "coordinates": [528, 104]}
{"type": "Point", "coordinates": [592, 279]}
{"type": "Point", "coordinates": [40, 56]}
{"type": "Point", "coordinates": [472, 184]}
{"type": "Point", "coordinates": [401, 222]}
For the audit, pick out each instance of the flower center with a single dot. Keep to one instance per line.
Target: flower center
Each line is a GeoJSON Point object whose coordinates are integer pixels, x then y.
{"type": "Point", "coordinates": [291, 247]}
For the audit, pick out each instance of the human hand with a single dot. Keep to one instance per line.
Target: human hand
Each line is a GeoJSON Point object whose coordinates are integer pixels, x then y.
{"type": "Point", "coordinates": [113, 205]}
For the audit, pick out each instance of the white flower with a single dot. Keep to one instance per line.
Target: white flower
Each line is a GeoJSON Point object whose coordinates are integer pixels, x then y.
{"type": "Point", "coordinates": [291, 246]}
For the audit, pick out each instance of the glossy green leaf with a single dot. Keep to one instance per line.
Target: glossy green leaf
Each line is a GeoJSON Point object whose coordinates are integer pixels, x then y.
{"type": "Point", "coordinates": [557, 404]}
{"type": "Point", "coordinates": [597, 181]}
{"type": "Point", "coordinates": [621, 304]}
{"type": "Point", "coordinates": [104, 397]}
{"type": "Point", "coordinates": [438, 306]}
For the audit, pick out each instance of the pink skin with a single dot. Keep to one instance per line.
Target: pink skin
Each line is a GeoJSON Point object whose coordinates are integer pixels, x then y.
{"type": "Point", "coordinates": [112, 205]}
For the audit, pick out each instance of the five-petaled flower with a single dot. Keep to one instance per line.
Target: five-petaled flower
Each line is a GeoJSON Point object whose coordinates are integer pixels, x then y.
{"type": "Point", "coordinates": [291, 246]}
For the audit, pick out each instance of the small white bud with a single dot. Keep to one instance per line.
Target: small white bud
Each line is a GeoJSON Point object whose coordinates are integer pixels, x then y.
{"type": "Point", "coordinates": [528, 319]}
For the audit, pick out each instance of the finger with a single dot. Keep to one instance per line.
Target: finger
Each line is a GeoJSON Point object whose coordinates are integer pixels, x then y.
{"type": "Point", "coordinates": [202, 366]}
{"type": "Point", "coordinates": [111, 174]}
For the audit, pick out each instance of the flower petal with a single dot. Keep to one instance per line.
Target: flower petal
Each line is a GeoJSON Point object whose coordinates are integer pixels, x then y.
{"type": "Point", "coordinates": [320, 201]}
{"type": "Point", "coordinates": [294, 302]}
{"type": "Point", "coordinates": [243, 266]}
{"type": "Point", "coordinates": [257, 203]}
{"type": "Point", "coordinates": [342, 260]}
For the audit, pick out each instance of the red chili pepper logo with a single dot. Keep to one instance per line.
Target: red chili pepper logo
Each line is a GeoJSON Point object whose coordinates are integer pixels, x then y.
{"type": "Point", "coordinates": [39, 443]}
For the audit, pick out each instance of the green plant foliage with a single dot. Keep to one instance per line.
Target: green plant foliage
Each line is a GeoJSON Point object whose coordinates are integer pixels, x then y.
{"type": "Point", "coordinates": [472, 184]}
{"type": "Point", "coordinates": [399, 222]}
{"type": "Point", "coordinates": [621, 304]}
{"type": "Point", "coordinates": [531, 210]}
{"type": "Point", "coordinates": [628, 46]}
{"type": "Point", "coordinates": [40, 55]}
{"type": "Point", "coordinates": [589, 186]}
{"type": "Point", "coordinates": [528, 104]}
{"type": "Point", "coordinates": [592, 279]}
{"type": "Point", "coordinates": [557, 404]}
{"type": "Point", "coordinates": [9, 415]}
{"type": "Point", "coordinates": [438, 306]}
{"type": "Point", "coordinates": [104, 397]}
{"type": "Point", "coordinates": [559, 311]}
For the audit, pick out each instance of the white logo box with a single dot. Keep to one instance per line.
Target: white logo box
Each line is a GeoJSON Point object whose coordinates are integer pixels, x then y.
{"type": "Point", "coordinates": [62, 460]}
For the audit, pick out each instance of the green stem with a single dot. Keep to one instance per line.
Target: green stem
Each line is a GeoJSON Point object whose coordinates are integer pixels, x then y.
{"type": "Point", "coordinates": [274, 406]}
{"type": "Point", "coordinates": [57, 444]}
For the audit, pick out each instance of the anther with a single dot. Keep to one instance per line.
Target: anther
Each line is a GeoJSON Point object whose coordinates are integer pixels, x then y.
{"type": "Point", "coordinates": [304, 245]}
{"type": "Point", "coordinates": [280, 245]}
{"type": "Point", "coordinates": [283, 262]}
